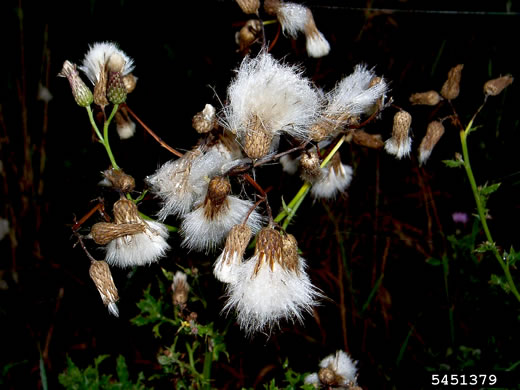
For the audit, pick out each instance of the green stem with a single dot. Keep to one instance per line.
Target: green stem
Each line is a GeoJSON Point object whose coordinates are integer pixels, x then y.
{"type": "Point", "coordinates": [481, 211]}
{"type": "Point", "coordinates": [289, 212]}
{"type": "Point", "coordinates": [104, 138]}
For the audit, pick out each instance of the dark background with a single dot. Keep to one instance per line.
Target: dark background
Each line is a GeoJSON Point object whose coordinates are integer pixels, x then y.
{"type": "Point", "coordinates": [396, 215]}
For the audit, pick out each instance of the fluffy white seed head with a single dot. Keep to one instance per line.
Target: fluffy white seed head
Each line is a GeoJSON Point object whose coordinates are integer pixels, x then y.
{"type": "Point", "coordinates": [342, 365]}
{"type": "Point", "coordinates": [268, 290]}
{"type": "Point", "coordinates": [400, 144]}
{"type": "Point", "coordinates": [270, 95]}
{"type": "Point", "coordinates": [125, 129]}
{"type": "Point", "coordinates": [228, 263]}
{"type": "Point", "coordinates": [139, 249]}
{"type": "Point", "coordinates": [183, 182]}
{"type": "Point", "coordinates": [354, 95]}
{"type": "Point", "coordinates": [335, 179]}
{"type": "Point", "coordinates": [204, 229]}
{"type": "Point", "coordinates": [289, 164]}
{"type": "Point", "coordinates": [99, 54]}
{"type": "Point", "coordinates": [180, 288]}
{"type": "Point", "coordinates": [317, 45]}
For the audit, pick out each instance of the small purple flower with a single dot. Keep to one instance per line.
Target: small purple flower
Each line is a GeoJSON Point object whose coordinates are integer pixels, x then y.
{"type": "Point", "coordinates": [460, 217]}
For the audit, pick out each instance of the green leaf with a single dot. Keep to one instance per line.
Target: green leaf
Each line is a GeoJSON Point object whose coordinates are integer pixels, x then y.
{"type": "Point", "coordinates": [486, 247]}
{"type": "Point", "coordinates": [512, 257]}
{"type": "Point", "coordinates": [488, 190]}
{"type": "Point", "coordinates": [433, 261]}
{"type": "Point", "coordinates": [453, 163]}
{"type": "Point", "coordinates": [122, 369]}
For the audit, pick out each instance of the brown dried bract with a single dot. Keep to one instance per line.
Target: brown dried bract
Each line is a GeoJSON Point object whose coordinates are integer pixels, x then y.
{"type": "Point", "coordinates": [268, 248]}
{"type": "Point", "coordinates": [496, 86]}
{"type": "Point", "coordinates": [451, 88]}
{"type": "Point", "coordinates": [363, 138]}
{"type": "Point", "coordinates": [428, 98]}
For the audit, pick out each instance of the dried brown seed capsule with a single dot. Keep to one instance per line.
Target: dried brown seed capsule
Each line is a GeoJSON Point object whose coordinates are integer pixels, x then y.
{"type": "Point", "coordinates": [248, 35]}
{"type": "Point", "coordinates": [257, 143]}
{"type": "Point", "coordinates": [451, 88]}
{"type": "Point", "coordinates": [290, 253]}
{"type": "Point", "coordinates": [496, 86]}
{"type": "Point", "coordinates": [180, 288]}
{"type": "Point", "coordinates": [119, 180]}
{"type": "Point", "coordinates": [102, 277]}
{"type": "Point", "coordinates": [104, 232]}
{"type": "Point", "coordinates": [249, 6]}
{"type": "Point", "coordinates": [428, 98]}
{"type": "Point", "coordinates": [130, 82]}
{"type": "Point", "coordinates": [321, 131]}
{"type": "Point", "coordinates": [363, 138]}
{"type": "Point", "coordinates": [205, 120]}
{"type": "Point", "coordinates": [236, 242]}
{"type": "Point", "coordinates": [328, 377]}
{"type": "Point", "coordinates": [310, 166]}
{"type": "Point", "coordinates": [402, 123]}
{"type": "Point", "coordinates": [218, 190]}
{"type": "Point", "coordinates": [125, 211]}
{"type": "Point", "coordinates": [433, 134]}
{"type": "Point", "coordinates": [268, 248]}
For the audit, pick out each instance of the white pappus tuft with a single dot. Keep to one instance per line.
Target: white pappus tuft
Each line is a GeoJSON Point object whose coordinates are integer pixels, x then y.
{"type": "Point", "coordinates": [139, 249]}
{"type": "Point", "coordinates": [271, 95]}
{"type": "Point", "coordinates": [337, 371]}
{"type": "Point", "coordinates": [97, 57]}
{"type": "Point", "coordinates": [354, 94]}
{"type": "Point", "coordinates": [204, 229]}
{"type": "Point", "coordinates": [335, 179]}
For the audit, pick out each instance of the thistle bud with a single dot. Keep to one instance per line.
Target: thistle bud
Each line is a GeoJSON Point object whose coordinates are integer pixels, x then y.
{"type": "Point", "coordinates": [249, 6]}
{"type": "Point", "coordinates": [102, 277]}
{"type": "Point", "coordinates": [434, 133]}
{"type": "Point", "coordinates": [451, 88]}
{"type": "Point", "coordinates": [373, 141]}
{"type": "Point", "coordinates": [130, 82]}
{"type": "Point", "coordinates": [116, 89]}
{"type": "Point", "coordinates": [496, 86]}
{"type": "Point", "coordinates": [180, 288]}
{"type": "Point", "coordinates": [257, 143]}
{"type": "Point", "coordinates": [428, 98]}
{"type": "Point", "coordinates": [104, 232]}
{"type": "Point", "coordinates": [82, 94]}
{"type": "Point", "coordinates": [119, 180]}
{"type": "Point", "coordinates": [206, 120]}
{"type": "Point", "coordinates": [400, 142]}
{"type": "Point", "coordinates": [310, 166]}
{"type": "Point", "coordinates": [125, 211]}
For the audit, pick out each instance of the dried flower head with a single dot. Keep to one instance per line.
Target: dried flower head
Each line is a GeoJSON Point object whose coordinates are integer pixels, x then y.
{"type": "Point", "coordinates": [124, 125]}
{"type": "Point", "coordinates": [95, 66]}
{"type": "Point", "coordinates": [104, 232]}
{"type": "Point", "coordinates": [310, 166]}
{"type": "Point", "coordinates": [270, 287]}
{"type": "Point", "coordinates": [335, 178]}
{"type": "Point", "coordinates": [267, 98]}
{"type": "Point", "coordinates": [180, 288]}
{"type": "Point", "coordinates": [205, 120]}
{"type": "Point", "coordinates": [433, 134]}
{"type": "Point", "coordinates": [183, 182]}
{"type": "Point", "coordinates": [227, 264]}
{"type": "Point", "coordinates": [295, 19]}
{"type": "Point", "coordinates": [82, 94]}
{"type": "Point", "coordinates": [355, 95]}
{"type": "Point", "coordinates": [248, 34]}
{"type": "Point", "coordinates": [119, 180]}
{"type": "Point", "coordinates": [428, 98]}
{"type": "Point", "coordinates": [496, 86]}
{"type": "Point", "coordinates": [373, 141]}
{"type": "Point", "coordinates": [337, 371]}
{"type": "Point", "coordinates": [102, 277]}
{"type": "Point", "coordinates": [130, 82]}
{"type": "Point", "coordinates": [249, 7]}
{"type": "Point", "coordinates": [210, 222]}
{"type": "Point", "coordinates": [451, 88]}
{"type": "Point", "coordinates": [140, 248]}
{"type": "Point", "coordinates": [400, 143]}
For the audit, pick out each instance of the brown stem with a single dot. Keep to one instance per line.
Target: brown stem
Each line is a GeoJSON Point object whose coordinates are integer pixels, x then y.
{"type": "Point", "coordinates": [275, 38]}
{"type": "Point", "coordinates": [263, 194]}
{"type": "Point", "coordinates": [155, 136]}
{"type": "Point", "coordinates": [100, 206]}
